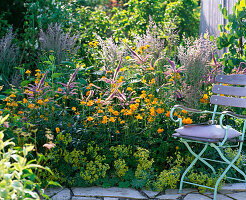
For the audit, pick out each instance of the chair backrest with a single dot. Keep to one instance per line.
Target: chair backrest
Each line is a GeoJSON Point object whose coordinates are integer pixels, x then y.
{"type": "Point", "coordinates": [233, 93]}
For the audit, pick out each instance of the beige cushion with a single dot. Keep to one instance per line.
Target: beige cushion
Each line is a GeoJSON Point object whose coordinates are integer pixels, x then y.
{"type": "Point", "coordinates": [207, 131]}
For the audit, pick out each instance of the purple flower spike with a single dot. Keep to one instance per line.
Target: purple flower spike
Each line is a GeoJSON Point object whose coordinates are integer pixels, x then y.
{"type": "Point", "coordinates": [171, 63]}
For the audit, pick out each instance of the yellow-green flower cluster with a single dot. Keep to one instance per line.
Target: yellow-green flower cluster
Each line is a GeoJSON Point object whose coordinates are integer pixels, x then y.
{"type": "Point", "coordinates": [144, 165]}
{"type": "Point", "coordinates": [120, 167]}
{"type": "Point", "coordinates": [94, 170]}
{"type": "Point", "coordinates": [121, 151]}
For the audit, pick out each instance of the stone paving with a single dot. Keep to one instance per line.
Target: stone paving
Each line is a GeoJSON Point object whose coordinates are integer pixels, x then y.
{"type": "Point", "coordinates": [228, 192]}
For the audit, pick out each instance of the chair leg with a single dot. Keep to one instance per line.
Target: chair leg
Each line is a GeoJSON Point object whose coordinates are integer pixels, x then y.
{"type": "Point", "coordinates": [230, 164]}
{"type": "Point", "coordinates": [197, 157]}
{"type": "Point", "coordinates": [201, 159]}
{"type": "Point", "coordinates": [227, 161]}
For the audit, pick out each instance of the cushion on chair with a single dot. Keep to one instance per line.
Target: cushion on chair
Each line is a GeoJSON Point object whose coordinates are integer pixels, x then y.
{"type": "Point", "coordinates": [207, 131]}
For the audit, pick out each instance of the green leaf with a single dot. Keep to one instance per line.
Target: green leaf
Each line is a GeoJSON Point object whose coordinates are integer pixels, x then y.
{"type": "Point", "coordinates": [52, 58]}
{"type": "Point", "coordinates": [82, 81]}
{"type": "Point", "coordinates": [25, 82]}
{"type": "Point", "coordinates": [17, 184]}
{"type": "Point", "coordinates": [224, 12]}
{"type": "Point", "coordinates": [99, 73]}
{"type": "Point", "coordinates": [54, 183]}
{"type": "Point", "coordinates": [56, 75]}
{"type": "Point", "coordinates": [89, 68]}
{"type": "Point", "coordinates": [68, 63]}
{"type": "Point", "coordinates": [2, 97]}
{"type": "Point", "coordinates": [124, 184]}
{"type": "Point", "coordinates": [3, 119]}
{"type": "Point", "coordinates": [48, 62]}
{"type": "Point", "coordinates": [33, 194]}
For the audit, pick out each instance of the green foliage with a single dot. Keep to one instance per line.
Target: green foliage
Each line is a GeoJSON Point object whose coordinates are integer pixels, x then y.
{"type": "Point", "coordinates": [17, 177]}
{"type": "Point", "coordinates": [232, 36]}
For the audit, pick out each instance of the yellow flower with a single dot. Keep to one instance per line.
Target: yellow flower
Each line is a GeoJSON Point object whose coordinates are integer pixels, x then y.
{"type": "Point", "coordinates": [100, 111]}
{"type": "Point", "coordinates": [25, 100]}
{"type": "Point", "coordinates": [159, 110]}
{"type": "Point", "coordinates": [112, 119]}
{"type": "Point", "coordinates": [82, 102]}
{"type": "Point", "coordinates": [90, 119]}
{"type": "Point", "coordinates": [142, 96]}
{"type": "Point", "coordinates": [137, 100]}
{"type": "Point", "coordinates": [88, 93]}
{"type": "Point", "coordinates": [177, 148]}
{"type": "Point", "coordinates": [144, 81]}
{"type": "Point", "coordinates": [58, 129]}
{"type": "Point", "coordinates": [28, 72]}
{"type": "Point", "coordinates": [147, 46]}
{"type": "Point", "coordinates": [91, 44]}
{"type": "Point", "coordinates": [20, 112]}
{"type": "Point", "coordinates": [187, 120]}
{"type": "Point", "coordinates": [122, 122]}
{"type": "Point", "coordinates": [76, 113]}
{"type": "Point", "coordinates": [12, 95]}
{"type": "Point", "coordinates": [90, 103]}
{"type": "Point", "coordinates": [205, 96]}
{"type": "Point", "coordinates": [1, 112]}
{"type": "Point", "coordinates": [31, 105]}
{"type": "Point", "coordinates": [133, 107]}
{"type": "Point", "coordinates": [168, 114]}
{"type": "Point", "coordinates": [117, 131]}
{"type": "Point", "coordinates": [46, 119]}
{"type": "Point", "coordinates": [40, 101]}
{"type": "Point", "coordinates": [98, 100]}
{"type": "Point", "coordinates": [160, 130]}
{"type": "Point", "coordinates": [74, 109]}
{"type": "Point", "coordinates": [59, 89]}
{"type": "Point", "coordinates": [139, 117]}
{"type": "Point", "coordinates": [129, 89]}
{"type": "Point", "coordinates": [96, 43]}
{"type": "Point", "coordinates": [122, 69]}
{"type": "Point", "coordinates": [128, 57]}
{"type": "Point", "coordinates": [111, 110]}
{"type": "Point", "coordinates": [116, 113]}
{"type": "Point", "coordinates": [105, 120]}
{"type": "Point", "coordinates": [184, 111]}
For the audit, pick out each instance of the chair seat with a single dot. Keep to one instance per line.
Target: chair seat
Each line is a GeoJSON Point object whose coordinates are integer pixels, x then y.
{"type": "Point", "coordinates": [207, 131]}
{"type": "Point", "coordinates": [210, 140]}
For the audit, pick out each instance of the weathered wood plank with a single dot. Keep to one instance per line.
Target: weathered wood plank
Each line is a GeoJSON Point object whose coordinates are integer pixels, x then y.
{"type": "Point", "coordinates": [228, 101]}
{"type": "Point", "coordinates": [229, 90]}
{"type": "Point", "coordinates": [234, 79]}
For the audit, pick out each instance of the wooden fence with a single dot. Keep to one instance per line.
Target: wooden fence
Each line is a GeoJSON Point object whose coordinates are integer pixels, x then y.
{"type": "Point", "coordinates": [211, 16]}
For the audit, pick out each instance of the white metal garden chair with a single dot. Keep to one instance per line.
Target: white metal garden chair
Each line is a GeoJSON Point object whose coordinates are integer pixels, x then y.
{"type": "Point", "coordinates": [219, 136]}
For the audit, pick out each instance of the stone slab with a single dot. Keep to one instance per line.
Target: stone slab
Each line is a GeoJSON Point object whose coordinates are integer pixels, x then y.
{"type": "Point", "coordinates": [65, 194]}
{"type": "Point", "coordinates": [220, 197]}
{"type": "Point", "coordinates": [108, 192]}
{"type": "Point", "coordinates": [235, 187]}
{"type": "Point", "coordinates": [238, 196]}
{"type": "Point", "coordinates": [196, 197]}
{"type": "Point", "coordinates": [184, 191]}
{"type": "Point", "coordinates": [85, 198]}
{"type": "Point", "coordinates": [169, 196]}
{"type": "Point", "coordinates": [150, 193]}
{"type": "Point", "coordinates": [52, 191]}
{"type": "Point", "coordinates": [110, 198]}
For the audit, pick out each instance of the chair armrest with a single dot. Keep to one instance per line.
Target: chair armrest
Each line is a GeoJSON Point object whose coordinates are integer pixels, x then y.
{"type": "Point", "coordinates": [232, 114]}
{"type": "Point", "coordinates": [192, 110]}
{"type": "Point", "coordinates": [187, 109]}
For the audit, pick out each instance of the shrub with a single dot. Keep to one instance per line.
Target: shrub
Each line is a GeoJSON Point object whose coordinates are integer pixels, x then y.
{"type": "Point", "coordinates": [17, 177]}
